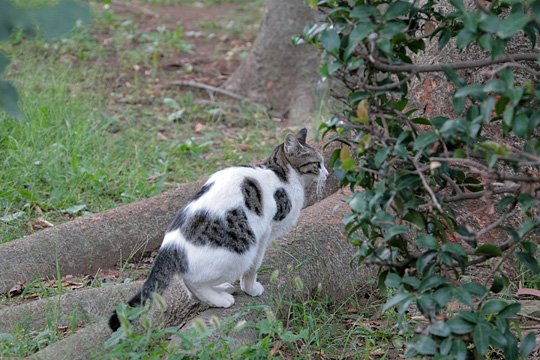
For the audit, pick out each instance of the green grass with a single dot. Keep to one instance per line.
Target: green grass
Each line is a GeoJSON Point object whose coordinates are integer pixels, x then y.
{"type": "Point", "coordinates": [83, 148]}
{"type": "Point", "coordinates": [302, 329]}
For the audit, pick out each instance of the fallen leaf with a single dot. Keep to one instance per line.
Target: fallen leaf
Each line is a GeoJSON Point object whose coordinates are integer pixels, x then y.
{"type": "Point", "coordinates": [75, 209]}
{"type": "Point", "coordinates": [17, 289]}
{"type": "Point", "coordinates": [527, 291]}
{"type": "Point", "coordinates": [12, 217]}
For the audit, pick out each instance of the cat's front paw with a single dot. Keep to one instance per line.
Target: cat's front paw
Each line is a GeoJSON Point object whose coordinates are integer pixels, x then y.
{"type": "Point", "coordinates": [255, 290]}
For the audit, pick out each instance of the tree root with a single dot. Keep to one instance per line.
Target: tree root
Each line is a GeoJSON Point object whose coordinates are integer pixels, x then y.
{"type": "Point", "coordinates": [74, 308]}
{"type": "Point", "coordinates": [313, 257]}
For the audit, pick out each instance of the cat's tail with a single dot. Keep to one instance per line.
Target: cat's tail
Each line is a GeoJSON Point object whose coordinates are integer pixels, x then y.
{"type": "Point", "coordinates": [170, 261]}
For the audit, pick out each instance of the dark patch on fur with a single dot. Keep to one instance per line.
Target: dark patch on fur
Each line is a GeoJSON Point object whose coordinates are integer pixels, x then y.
{"type": "Point", "coordinates": [252, 195]}
{"type": "Point", "coordinates": [169, 261]}
{"type": "Point", "coordinates": [283, 204]}
{"type": "Point", "coordinates": [276, 164]}
{"type": "Point", "coordinates": [178, 221]}
{"type": "Point", "coordinates": [181, 215]}
{"type": "Point", "coordinates": [312, 167]}
{"type": "Point", "coordinates": [232, 232]}
{"type": "Point", "coordinates": [202, 191]}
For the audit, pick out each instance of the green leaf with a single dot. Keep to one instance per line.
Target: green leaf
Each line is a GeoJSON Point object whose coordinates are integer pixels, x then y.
{"type": "Point", "coordinates": [424, 345]}
{"type": "Point", "coordinates": [444, 37]}
{"type": "Point", "coordinates": [396, 9]}
{"type": "Point", "coordinates": [475, 289]}
{"type": "Point", "coordinates": [469, 316]}
{"type": "Point", "coordinates": [470, 21]}
{"type": "Point", "coordinates": [445, 346]}
{"type": "Point", "coordinates": [529, 261]}
{"type": "Point", "coordinates": [425, 140]}
{"type": "Point", "coordinates": [401, 297]}
{"type": "Point", "coordinates": [473, 89]}
{"type": "Point", "coordinates": [493, 306]}
{"type": "Point", "coordinates": [463, 295]}
{"type": "Point", "coordinates": [464, 38]}
{"type": "Point", "coordinates": [511, 25]}
{"type": "Point", "coordinates": [358, 34]}
{"type": "Point", "coordinates": [495, 85]}
{"type": "Point", "coordinates": [527, 226]}
{"type": "Point", "coordinates": [395, 230]}
{"type": "Point", "coordinates": [459, 326]}
{"type": "Point", "coordinates": [385, 46]}
{"type": "Point", "coordinates": [330, 41]}
{"type": "Point", "coordinates": [60, 19]}
{"type": "Point", "coordinates": [431, 282]}
{"type": "Point", "coordinates": [498, 284]}
{"type": "Point", "coordinates": [4, 62]}
{"type": "Point", "coordinates": [443, 295]}
{"type": "Point", "coordinates": [363, 13]}
{"type": "Point", "coordinates": [527, 344]}
{"type": "Point", "coordinates": [458, 4]}
{"type": "Point", "coordinates": [454, 249]}
{"type": "Point", "coordinates": [481, 338]}
{"type": "Point", "coordinates": [489, 23]}
{"type": "Point", "coordinates": [9, 99]}
{"type": "Point", "coordinates": [381, 155]}
{"type": "Point", "coordinates": [427, 241]}
{"type": "Point", "coordinates": [520, 125]}
{"type": "Point", "coordinates": [488, 250]}
{"type": "Point", "coordinates": [510, 310]}
{"type": "Point", "coordinates": [392, 280]}
{"type": "Point", "coordinates": [440, 328]}
{"type": "Point", "coordinates": [416, 218]}
{"type": "Point", "coordinates": [75, 209]}
{"type": "Point", "coordinates": [348, 164]}
{"type": "Point", "coordinates": [459, 350]}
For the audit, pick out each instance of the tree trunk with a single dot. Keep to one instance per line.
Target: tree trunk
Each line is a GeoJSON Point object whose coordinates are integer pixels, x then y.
{"type": "Point", "coordinates": [276, 72]}
{"type": "Point", "coordinates": [316, 252]}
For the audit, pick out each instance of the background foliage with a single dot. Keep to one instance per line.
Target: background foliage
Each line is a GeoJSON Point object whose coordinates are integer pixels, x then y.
{"type": "Point", "coordinates": [411, 174]}
{"type": "Point", "coordinates": [51, 21]}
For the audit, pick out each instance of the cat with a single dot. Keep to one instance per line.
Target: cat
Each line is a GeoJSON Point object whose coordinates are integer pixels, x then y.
{"type": "Point", "coordinates": [222, 233]}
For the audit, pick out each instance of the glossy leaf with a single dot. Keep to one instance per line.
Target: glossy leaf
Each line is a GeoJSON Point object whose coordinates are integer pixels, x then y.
{"type": "Point", "coordinates": [489, 250]}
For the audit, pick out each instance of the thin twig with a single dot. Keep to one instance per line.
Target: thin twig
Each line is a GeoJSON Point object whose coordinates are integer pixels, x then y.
{"type": "Point", "coordinates": [452, 183]}
{"type": "Point", "coordinates": [529, 317]}
{"type": "Point", "coordinates": [497, 70]}
{"type": "Point", "coordinates": [425, 183]}
{"type": "Point", "coordinates": [479, 194]}
{"type": "Point", "coordinates": [209, 88]}
{"type": "Point", "coordinates": [389, 86]}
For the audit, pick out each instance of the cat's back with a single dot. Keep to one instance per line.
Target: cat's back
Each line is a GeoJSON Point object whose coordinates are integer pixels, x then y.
{"type": "Point", "coordinates": [238, 187]}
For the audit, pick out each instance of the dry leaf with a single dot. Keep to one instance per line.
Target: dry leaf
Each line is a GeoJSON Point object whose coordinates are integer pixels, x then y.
{"type": "Point", "coordinates": [17, 289]}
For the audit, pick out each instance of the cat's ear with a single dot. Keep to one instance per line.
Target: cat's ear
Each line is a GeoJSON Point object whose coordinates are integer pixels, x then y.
{"type": "Point", "coordinates": [301, 136]}
{"type": "Point", "coordinates": [291, 144]}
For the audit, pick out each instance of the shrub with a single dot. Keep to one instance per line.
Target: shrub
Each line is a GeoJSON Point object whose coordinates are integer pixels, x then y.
{"type": "Point", "coordinates": [409, 173]}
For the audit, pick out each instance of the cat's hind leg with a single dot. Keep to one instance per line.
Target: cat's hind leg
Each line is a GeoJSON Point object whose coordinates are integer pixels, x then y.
{"type": "Point", "coordinates": [212, 296]}
{"type": "Point", "coordinates": [227, 287]}
{"type": "Point", "coordinates": [248, 281]}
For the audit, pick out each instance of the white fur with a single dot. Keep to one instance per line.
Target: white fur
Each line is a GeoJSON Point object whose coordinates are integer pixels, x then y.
{"type": "Point", "coordinates": [211, 269]}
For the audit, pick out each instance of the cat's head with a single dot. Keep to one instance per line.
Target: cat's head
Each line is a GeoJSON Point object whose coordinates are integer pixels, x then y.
{"type": "Point", "coordinates": [305, 159]}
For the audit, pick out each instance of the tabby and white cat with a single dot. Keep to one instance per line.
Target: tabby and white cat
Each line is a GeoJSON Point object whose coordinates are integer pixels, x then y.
{"type": "Point", "coordinates": [222, 233]}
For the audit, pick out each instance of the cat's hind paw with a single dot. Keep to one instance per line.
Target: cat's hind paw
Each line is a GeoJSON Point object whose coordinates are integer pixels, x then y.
{"type": "Point", "coordinates": [223, 301]}
{"type": "Point", "coordinates": [255, 290]}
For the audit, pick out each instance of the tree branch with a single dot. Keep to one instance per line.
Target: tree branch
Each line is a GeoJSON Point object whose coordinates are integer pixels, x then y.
{"type": "Point", "coordinates": [455, 65]}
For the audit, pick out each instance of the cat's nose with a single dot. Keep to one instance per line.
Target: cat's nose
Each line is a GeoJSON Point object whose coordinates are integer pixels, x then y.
{"type": "Point", "coordinates": [324, 172]}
